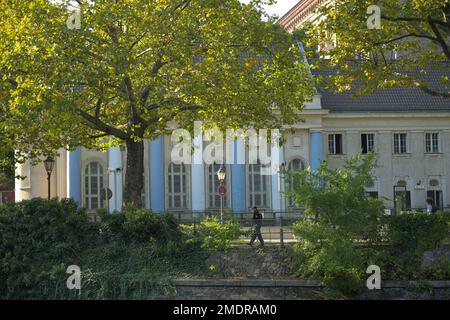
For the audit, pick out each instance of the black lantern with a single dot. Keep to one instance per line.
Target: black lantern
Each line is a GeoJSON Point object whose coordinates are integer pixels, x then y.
{"type": "Point", "coordinates": [221, 177]}
{"type": "Point", "coordinates": [49, 163]}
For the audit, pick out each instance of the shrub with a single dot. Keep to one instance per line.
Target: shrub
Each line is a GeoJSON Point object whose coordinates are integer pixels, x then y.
{"type": "Point", "coordinates": [445, 215]}
{"type": "Point", "coordinates": [212, 235]}
{"type": "Point", "coordinates": [140, 225]}
{"type": "Point", "coordinates": [339, 214]}
{"type": "Point", "coordinates": [411, 234]}
{"type": "Point", "coordinates": [414, 233]}
{"type": "Point", "coordinates": [346, 231]}
{"type": "Point", "coordinates": [335, 262]}
{"type": "Point", "coordinates": [36, 236]}
{"type": "Point", "coordinates": [129, 255]}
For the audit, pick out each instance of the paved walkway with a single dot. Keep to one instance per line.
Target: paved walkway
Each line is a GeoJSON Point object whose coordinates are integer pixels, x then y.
{"type": "Point", "coordinates": [271, 235]}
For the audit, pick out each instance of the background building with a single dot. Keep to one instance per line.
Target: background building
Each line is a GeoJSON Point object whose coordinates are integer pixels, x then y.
{"type": "Point", "coordinates": [409, 130]}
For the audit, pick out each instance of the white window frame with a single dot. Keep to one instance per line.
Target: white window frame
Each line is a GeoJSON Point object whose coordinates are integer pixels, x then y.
{"type": "Point", "coordinates": [101, 183]}
{"type": "Point", "coordinates": [432, 145]}
{"type": "Point", "coordinates": [399, 135]}
{"type": "Point", "coordinates": [184, 193]}
{"type": "Point", "coordinates": [332, 147]}
{"type": "Point", "coordinates": [368, 134]}
{"type": "Point", "coordinates": [252, 194]}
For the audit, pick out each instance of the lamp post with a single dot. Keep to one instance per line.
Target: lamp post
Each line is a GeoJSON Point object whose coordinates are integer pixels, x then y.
{"type": "Point", "coordinates": [49, 164]}
{"type": "Point", "coordinates": [280, 172]}
{"type": "Point", "coordinates": [222, 190]}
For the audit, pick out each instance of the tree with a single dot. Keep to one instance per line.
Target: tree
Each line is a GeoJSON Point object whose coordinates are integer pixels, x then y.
{"type": "Point", "coordinates": [339, 214]}
{"type": "Point", "coordinates": [337, 198]}
{"type": "Point", "coordinates": [345, 230]}
{"type": "Point", "coordinates": [411, 40]}
{"type": "Point", "coordinates": [135, 66]}
{"type": "Point", "coordinates": [6, 169]}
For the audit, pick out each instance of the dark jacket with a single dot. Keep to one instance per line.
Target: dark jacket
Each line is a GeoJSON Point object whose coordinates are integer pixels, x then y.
{"type": "Point", "coordinates": [257, 217]}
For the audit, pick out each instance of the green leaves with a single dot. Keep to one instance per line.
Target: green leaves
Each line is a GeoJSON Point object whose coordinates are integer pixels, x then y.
{"type": "Point", "coordinates": [212, 61]}
{"type": "Point", "coordinates": [337, 197]}
{"type": "Point", "coordinates": [413, 38]}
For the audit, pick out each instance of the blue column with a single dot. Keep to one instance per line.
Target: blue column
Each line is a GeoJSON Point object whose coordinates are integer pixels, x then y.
{"type": "Point", "coordinates": [238, 180]}
{"type": "Point", "coordinates": [157, 170]}
{"type": "Point", "coordinates": [198, 176]}
{"type": "Point", "coordinates": [316, 150]}
{"type": "Point", "coordinates": [74, 175]}
{"type": "Point", "coordinates": [115, 183]}
{"type": "Point", "coordinates": [277, 154]}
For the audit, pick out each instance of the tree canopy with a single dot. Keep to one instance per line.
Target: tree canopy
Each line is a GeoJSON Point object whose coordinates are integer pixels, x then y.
{"type": "Point", "coordinates": [397, 46]}
{"type": "Point", "coordinates": [136, 66]}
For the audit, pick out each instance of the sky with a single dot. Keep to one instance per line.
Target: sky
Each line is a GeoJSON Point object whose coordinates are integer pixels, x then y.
{"type": "Point", "coordinates": [280, 8]}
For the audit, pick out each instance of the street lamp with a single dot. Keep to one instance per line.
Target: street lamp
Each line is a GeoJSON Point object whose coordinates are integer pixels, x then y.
{"type": "Point", "coordinates": [222, 190]}
{"type": "Point", "coordinates": [280, 171]}
{"type": "Point", "coordinates": [49, 164]}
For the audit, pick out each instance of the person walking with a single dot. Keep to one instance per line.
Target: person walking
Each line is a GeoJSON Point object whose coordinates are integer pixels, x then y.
{"type": "Point", "coordinates": [257, 223]}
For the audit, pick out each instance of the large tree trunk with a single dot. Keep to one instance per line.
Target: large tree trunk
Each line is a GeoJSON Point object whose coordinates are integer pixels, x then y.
{"type": "Point", "coordinates": [134, 178]}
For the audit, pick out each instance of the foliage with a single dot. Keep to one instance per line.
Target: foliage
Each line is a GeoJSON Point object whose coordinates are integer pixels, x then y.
{"type": "Point", "coordinates": [140, 225]}
{"type": "Point", "coordinates": [346, 231]}
{"type": "Point", "coordinates": [40, 239]}
{"type": "Point", "coordinates": [417, 232]}
{"type": "Point", "coordinates": [413, 233]}
{"type": "Point", "coordinates": [411, 42]}
{"type": "Point", "coordinates": [35, 236]}
{"type": "Point", "coordinates": [337, 264]}
{"type": "Point", "coordinates": [212, 235]}
{"type": "Point", "coordinates": [135, 67]}
{"type": "Point", "coordinates": [336, 199]}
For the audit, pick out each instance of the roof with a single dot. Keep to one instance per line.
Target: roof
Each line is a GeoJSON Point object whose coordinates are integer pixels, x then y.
{"type": "Point", "coordinates": [298, 13]}
{"type": "Point", "coordinates": [388, 100]}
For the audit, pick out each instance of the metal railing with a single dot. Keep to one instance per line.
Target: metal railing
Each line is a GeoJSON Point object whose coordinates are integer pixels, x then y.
{"type": "Point", "coordinates": [276, 226]}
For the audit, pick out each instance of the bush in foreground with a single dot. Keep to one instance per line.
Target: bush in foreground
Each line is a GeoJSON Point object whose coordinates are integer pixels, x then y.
{"type": "Point", "coordinates": [126, 256]}
{"type": "Point", "coordinates": [212, 235]}
{"type": "Point", "coordinates": [346, 231]}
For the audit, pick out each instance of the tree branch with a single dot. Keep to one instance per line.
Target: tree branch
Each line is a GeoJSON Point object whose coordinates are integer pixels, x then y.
{"type": "Point", "coordinates": [440, 39]}
{"type": "Point", "coordinates": [433, 92]}
{"type": "Point", "coordinates": [409, 35]}
{"type": "Point", "coordinates": [99, 125]}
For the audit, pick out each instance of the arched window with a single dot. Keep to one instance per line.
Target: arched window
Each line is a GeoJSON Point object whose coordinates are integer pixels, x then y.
{"type": "Point", "coordinates": [177, 186]}
{"type": "Point", "coordinates": [295, 164]}
{"type": "Point", "coordinates": [93, 185]}
{"type": "Point", "coordinates": [213, 185]}
{"type": "Point", "coordinates": [259, 187]}
{"type": "Point", "coordinates": [402, 183]}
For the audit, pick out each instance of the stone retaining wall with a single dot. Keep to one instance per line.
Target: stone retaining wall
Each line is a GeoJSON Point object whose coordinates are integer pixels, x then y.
{"type": "Point", "coordinates": [271, 262]}
{"type": "Point", "coordinates": [301, 290]}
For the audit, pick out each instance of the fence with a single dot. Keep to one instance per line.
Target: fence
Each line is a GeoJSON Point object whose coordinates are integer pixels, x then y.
{"type": "Point", "coordinates": [276, 225]}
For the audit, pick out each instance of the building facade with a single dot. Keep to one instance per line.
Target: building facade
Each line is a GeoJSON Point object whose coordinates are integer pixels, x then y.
{"type": "Point", "coordinates": [408, 129]}
{"type": "Point", "coordinates": [412, 143]}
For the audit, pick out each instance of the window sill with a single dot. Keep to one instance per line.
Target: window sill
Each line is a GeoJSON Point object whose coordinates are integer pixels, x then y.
{"type": "Point", "coordinates": [402, 155]}
{"type": "Point", "coordinates": [433, 154]}
{"type": "Point", "coordinates": [337, 155]}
